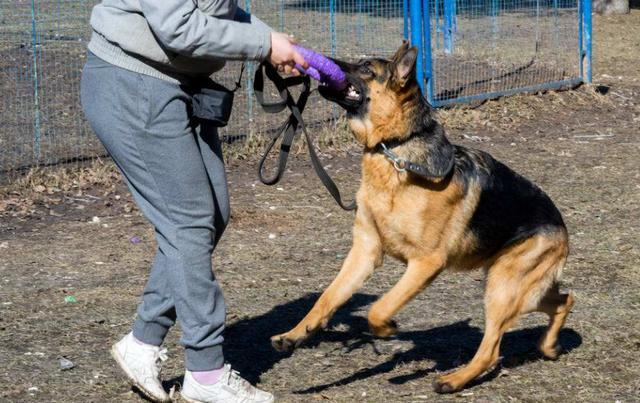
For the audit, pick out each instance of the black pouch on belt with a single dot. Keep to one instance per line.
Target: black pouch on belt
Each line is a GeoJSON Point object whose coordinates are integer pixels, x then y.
{"type": "Point", "coordinates": [212, 102]}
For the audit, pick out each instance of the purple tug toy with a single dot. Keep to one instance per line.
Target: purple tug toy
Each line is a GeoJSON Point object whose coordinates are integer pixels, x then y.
{"type": "Point", "coordinates": [322, 69]}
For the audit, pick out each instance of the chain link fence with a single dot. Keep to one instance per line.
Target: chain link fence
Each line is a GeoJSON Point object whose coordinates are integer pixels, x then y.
{"type": "Point", "coordinates": [472, 49]}
{"type": "Point", "coordinates": [484, 48]}
{"type": "Point", "coordinates": [43, 49]}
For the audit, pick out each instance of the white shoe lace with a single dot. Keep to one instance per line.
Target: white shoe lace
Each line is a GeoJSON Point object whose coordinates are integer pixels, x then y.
{"type": "Point", "coordinates": [159, 356]}
{"type": "Point", "coordinates": [238, 383]}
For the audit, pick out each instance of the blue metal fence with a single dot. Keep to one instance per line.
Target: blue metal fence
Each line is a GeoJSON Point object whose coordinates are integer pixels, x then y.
{"type": "Point", "coordinates": [469, 49]}
{"type": "Point", "coordinates": [480, 49]}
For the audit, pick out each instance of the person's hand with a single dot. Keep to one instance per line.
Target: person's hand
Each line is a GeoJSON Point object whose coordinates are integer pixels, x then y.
{"type": "Point", "coordinates": [283, 56]}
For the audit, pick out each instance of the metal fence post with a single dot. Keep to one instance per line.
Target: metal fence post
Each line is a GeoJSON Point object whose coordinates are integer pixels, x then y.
{"type": "Point", "coordinates": [494, 16]}
{"type": "Point", "coordinates": [281, 15]}
{"type": "Point", "coordinates": [537, 25]}
{"type": "Point", "coordinates": [426, 47]}
{"type": "Point", "coordinates": [360, 26]}
{"type": "Point", "coordinates": [586, 42]}
{"type": "Point", "coordinates": [415, 16]}
{"type": "Point", "coordinates": [449, 25]}
{"type": "Point", "coordinates": [249, 78]}
{"type": "Point", "coordinates": [436, 14]}
{"type": "Point", "coordinates": [332, 26]}
{"type": "Point", "coordinates": [556, 15]}
{"type": "Point", "coordinates": [405, 19]}
{"type": "Point", "coordinates": [36, 102]}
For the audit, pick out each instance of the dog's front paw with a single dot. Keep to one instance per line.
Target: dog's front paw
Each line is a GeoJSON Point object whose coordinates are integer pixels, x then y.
{"type": "Point", "coordinates": [448, 383]}
{"type": "Point", "coordinates": [288, 341]}
{"type": "Point", "coordinates": [284, 343]}
{"type": "Point", "coordinates": [442, 386]}
{"type": "Point", "coordinates": [550, 352]}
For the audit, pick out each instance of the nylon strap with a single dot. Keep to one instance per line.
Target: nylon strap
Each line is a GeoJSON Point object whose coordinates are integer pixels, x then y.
{"type": "Point", "coordinates": [289, 128]}
{"type": "Point", "coordinates": [402, 164]}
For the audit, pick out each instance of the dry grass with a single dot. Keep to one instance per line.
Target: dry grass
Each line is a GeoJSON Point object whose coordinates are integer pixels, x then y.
{"type": "Point", "coordinates": [47, 186]}
{"type": "Point", "coordinates": [505, 113]}
{"type": "Point", "coordinates": [616, 48]}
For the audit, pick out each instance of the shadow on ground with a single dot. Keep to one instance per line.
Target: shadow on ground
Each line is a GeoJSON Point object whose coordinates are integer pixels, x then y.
{"type": "Point", "coordinates": [249, 350]}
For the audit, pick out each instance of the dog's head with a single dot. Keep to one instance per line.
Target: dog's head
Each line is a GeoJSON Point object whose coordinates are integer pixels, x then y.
{"type": "Point", "coordinates": [380, 97]}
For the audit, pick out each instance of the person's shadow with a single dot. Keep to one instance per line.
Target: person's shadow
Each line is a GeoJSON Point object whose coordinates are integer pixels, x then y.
{"type": "Point", "coordinates": [248, 347]}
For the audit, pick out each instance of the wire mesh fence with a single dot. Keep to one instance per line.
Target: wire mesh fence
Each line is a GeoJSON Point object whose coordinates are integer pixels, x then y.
{"type": "Point", "coordinates": [481, 48]}
{"type": "Point", "coordinates": [43, 49]}
{"type": "Point", "coordinates": [477, 48]}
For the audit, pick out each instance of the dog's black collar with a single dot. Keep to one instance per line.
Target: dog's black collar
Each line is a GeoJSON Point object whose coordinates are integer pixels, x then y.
{"type": "Point", "coordinates": [403, 165]}
{"type": "Point", "coordinates": [393, 143]}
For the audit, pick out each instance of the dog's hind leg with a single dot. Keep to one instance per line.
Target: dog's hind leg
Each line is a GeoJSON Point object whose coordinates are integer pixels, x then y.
{"type": "Point", "coordinates": [557, 306]}
{"type": "Point", "coordinates": [419, 274]}
{"type": "Point", "coordinates": [545, 295]}
{"type": "Point", "coordinates": [517, 283]}
{"type": "Point", "coordinates": [365, 255]}
{"type": "Point", "coordinates": [501, 311]}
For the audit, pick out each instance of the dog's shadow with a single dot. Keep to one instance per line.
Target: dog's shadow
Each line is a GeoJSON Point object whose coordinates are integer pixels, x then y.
{"type": "Point", "coordinates": [248, 347]}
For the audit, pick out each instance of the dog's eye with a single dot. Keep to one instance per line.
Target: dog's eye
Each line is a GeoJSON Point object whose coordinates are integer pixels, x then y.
{"type": "Point", "coordinates": [365, 69]}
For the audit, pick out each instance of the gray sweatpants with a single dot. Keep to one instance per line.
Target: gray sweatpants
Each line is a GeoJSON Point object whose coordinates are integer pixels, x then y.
{"type": "Point", "coordinates": [174, 168]}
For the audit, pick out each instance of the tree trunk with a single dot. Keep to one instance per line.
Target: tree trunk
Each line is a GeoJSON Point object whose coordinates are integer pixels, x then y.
{"type": "Point", "coordinates": [609, 7]}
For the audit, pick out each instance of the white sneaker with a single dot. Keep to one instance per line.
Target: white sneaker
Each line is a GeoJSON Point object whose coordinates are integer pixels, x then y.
{"type": "Point", "coordinates": [141, 363]}
{"type": "Point", "coordinates": [230, 388]}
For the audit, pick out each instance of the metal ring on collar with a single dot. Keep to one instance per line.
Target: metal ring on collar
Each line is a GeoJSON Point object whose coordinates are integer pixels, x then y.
{"type": "Point", "coordinates": [400, 165]}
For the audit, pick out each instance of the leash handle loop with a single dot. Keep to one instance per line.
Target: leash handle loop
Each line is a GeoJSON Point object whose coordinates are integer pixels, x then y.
{"type": "Point", "coordinates": [289, 128]}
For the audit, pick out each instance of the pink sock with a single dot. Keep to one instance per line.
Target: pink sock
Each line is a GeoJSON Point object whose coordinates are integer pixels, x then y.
{"type": "Point", "coordinates": [208, 377]}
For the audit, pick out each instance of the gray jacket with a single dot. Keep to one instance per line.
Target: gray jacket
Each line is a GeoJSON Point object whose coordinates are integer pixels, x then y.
{"type": "Point", "coordinates": [176, 39]}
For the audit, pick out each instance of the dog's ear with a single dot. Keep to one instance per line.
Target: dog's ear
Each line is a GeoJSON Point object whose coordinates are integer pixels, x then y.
{"type": "Point", "coordinates": [403, 64]}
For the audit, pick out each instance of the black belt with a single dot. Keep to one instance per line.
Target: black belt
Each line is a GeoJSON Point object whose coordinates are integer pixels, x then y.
{"type": "Point", "coordinates": [289, 128]}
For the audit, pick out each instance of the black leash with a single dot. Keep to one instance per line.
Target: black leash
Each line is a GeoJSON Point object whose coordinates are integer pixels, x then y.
{"type": "Point", "coordinates": [289, 128]}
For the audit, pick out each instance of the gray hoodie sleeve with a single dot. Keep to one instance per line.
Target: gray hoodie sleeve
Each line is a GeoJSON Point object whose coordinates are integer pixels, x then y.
{"type": "Point", "coordinates": [184, 29]}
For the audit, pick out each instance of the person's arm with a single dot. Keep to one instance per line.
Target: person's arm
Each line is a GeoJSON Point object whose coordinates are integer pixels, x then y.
{"type": "Point", "coordinates": [184, 29]}
{"type": "Point", "coordinates": [245, 17]}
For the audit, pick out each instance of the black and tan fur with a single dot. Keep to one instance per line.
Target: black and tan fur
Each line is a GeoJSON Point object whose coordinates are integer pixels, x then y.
{"type": "Point", "coordinates": [481, 214]}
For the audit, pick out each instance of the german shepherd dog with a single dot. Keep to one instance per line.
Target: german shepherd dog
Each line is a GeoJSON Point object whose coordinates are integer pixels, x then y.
{"type": "Point", "coordinates": [465, 211]}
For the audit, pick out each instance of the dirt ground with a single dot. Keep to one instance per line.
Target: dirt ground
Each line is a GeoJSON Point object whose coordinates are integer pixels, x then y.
{"type": "Point", "coordinates": [286, 243]}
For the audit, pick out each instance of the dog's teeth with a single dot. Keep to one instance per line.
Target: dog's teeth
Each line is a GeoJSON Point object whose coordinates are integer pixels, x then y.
{"type": "Point", "coordinates": [352, 93]}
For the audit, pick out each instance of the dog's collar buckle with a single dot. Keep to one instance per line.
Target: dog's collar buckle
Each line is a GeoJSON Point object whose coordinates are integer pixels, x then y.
{"type": "Point", "coordinates": [400, 164]}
